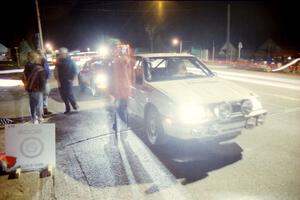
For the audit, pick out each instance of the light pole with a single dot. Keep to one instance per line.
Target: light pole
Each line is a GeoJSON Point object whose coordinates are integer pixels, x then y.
{"type": "Point", "coordinates": [240, 48]}
{"type": "Point", "coordinates": [17, 55]}
{"type": "Point", "coordinates": [213, 51]}
{"type": "Point", "coordinates": [39, 24]}
{"type": "Point", "coordinates": [228, 33]}
{"type": "Point", "coordinates": [151, 30]}
{"type": "Point", "coordinates": [177, 41]}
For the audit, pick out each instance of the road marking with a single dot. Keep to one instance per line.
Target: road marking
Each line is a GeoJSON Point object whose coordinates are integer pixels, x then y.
{"type": "Point", "coordinates": [275, 105]}
{"type": "Point", "coordinates": [10, 71]}
{"type": "Point", "coordinates": [280, 96]}
{"type": "Point", "coordinates": [292, 110]}
{"type": "Point", "coordinates": [283, 80]}
{"type": "Point", "coordinates": [261, 82]}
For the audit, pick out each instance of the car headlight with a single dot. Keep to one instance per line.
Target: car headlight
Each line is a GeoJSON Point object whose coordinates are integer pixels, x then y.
{"type": "Point", "coordinates": [223, 110]}
{"type": "Point", "coordinates": [246, 107]}
{"type": "Point", "coordinates": [78, 63]}
{"type": "Point", "coordinates": [256, 104]}
{"type": "Point", "coordinates": [101, 81]}
{"type": "Point", "coordinates": [191, 113]}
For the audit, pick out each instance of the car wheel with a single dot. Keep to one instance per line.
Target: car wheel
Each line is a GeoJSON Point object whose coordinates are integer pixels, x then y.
{"type": "Point", "coordinates": [154, 129]}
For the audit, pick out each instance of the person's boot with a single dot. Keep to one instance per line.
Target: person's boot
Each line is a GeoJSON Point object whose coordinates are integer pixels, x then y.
{"type": "Point", "coordinates": [47, 112]}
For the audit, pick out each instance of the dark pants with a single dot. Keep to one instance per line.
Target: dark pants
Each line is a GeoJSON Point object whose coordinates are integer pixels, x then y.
{"type": "Point", "coordinates": [120, 112]}
{"type": "Point", "coordinates": [67, 95]}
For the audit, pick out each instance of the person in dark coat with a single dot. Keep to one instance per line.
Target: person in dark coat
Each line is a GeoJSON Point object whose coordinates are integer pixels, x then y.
{"type": "Point", "coordinates": [34, 82]}
{"type": "Point", "coordinates": [65, 74]}
{"type": "Point", "coordinates": [46, 92]}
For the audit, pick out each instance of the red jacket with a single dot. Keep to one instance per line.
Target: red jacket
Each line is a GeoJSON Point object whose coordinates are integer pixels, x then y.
{"type": "Point", "coordinates": [121, 77]}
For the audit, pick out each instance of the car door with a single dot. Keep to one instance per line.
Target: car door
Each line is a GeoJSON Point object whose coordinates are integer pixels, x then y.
{"type": "Point", "coordinates": [137, 100]}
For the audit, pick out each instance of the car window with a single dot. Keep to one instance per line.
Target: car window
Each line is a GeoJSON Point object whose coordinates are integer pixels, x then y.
{"type": "Point", "coordinates": [173, 68]}
{"type": "Point", "coordinates": [138, 70]}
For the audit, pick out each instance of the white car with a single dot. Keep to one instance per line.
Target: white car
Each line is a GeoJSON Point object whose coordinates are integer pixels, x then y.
{"type": "Point", "coordinates": [94, 76]}
{"type": "Point", "coordinates": [178, 96]}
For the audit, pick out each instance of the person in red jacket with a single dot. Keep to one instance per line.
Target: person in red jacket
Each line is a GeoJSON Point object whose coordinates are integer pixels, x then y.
{"type": "Point", "coordinates": [121, 81]}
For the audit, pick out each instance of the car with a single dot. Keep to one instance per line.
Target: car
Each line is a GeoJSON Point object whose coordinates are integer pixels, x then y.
{"type": "Point", "coordinates": [178, 96]}
{"type": "Point", "coordinates": [80, 58]}
{"type": "Point", "coordinates": [94, 76]}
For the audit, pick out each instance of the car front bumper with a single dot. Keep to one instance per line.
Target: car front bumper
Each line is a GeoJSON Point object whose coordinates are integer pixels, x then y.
{"type": "Point", "coordinates": [214, 128]}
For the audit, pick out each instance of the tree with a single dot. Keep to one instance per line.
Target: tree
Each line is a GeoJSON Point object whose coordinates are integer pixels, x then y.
{"type": "Point", "coordinates": [24, 49]}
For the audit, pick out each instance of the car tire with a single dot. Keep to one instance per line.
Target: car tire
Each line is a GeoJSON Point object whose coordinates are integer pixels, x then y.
{"type": "Point", "coordinates": [155, 134]}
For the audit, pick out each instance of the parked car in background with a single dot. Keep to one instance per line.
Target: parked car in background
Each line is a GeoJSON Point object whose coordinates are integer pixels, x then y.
{"type": "Point", "coordinates": [80, 58]}
{"type": "Point", "coordinates": [94, 76]}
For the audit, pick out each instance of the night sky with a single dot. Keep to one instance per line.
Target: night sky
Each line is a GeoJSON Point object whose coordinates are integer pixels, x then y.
{"type": "Point", "coordinates": [79, 24]}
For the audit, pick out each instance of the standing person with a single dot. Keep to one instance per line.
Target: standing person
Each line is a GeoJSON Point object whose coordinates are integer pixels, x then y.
{"type": "Point", "coordinates": [120, 88]}
{"type": "Point", "coordinates": [66, 72]}
{"type": "Point", "coordinates": [46, 92]}
{"type": "Point", "coordinates": [34, 82]}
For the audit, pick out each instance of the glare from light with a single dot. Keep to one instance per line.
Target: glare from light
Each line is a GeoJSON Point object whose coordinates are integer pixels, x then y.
{"type": "Point", "coordinates": [48, 46]}
{"type": "Point", "coordinates": [160, 8]}
{"type": "Point", "coordinates": [101, 81]}
{"type": "Point", "coordinates": [175, 41]}
{"type": "Point", "coordinates": [88, 49]}
{"type": "Point", "coordinates": [192, 113]}
{"type": "Point", "coordinates": [289, 58]}
{"type": "Point", "coordinates": [256, 104]}
{"type": "Point", "coordinates": [103, 51]}
{"type": "Point", "coordinates": [10, 83]}
{"type": "Point", "coordinates": [168, 121]}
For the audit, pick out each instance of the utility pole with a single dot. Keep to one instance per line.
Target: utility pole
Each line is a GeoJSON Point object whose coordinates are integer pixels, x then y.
{"type": "Point", "coordinates": [180, 46]}
{"type": "Point", "coordinates": [39, 24]}
{"type": "Point", "coordinates": [17, 55]}
{"type": "Point", "coordinates": [151, 31]}
{"type": "Point", "coordinates": [213, 51]}
{"type": "Point", "coordinates": [228, 33]}
{"type": "Point", "coordinates": [240, 48]}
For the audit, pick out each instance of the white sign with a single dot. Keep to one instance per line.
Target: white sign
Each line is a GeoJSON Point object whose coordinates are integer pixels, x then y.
{"type": "Point", "coordinates": [32, 144]}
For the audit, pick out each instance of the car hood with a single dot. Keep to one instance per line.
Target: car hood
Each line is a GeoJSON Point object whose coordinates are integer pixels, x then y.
{"type": "Point", "coordinates": [204, 91]}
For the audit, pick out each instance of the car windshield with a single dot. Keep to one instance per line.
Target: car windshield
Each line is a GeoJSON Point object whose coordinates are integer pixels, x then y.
{"type": "Point", "coordinates": [174, 68]}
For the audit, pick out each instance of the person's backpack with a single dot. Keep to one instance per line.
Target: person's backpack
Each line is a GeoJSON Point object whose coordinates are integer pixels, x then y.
{"type": "Point", "coordinates": [30, 81]}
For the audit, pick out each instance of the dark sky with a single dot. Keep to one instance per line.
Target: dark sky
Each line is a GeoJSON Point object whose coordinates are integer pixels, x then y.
{"type": "Point", "coordinates": [79, 24]}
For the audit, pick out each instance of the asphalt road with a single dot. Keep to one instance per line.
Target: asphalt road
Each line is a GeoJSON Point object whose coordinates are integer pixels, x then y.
{"type": "Point", "coordinates": [262, 163]}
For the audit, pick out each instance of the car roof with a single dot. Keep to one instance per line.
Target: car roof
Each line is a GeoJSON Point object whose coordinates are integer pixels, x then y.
{"type": "Point", "coordinates": [161, 55]}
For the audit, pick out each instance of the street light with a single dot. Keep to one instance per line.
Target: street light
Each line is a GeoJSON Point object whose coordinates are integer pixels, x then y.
{"type": "Point", "coordinates": [103, 51]}
{"type": "Point", "coordinates": [177, 41]}
{"type": "Point", "coordinates": [48, 46]}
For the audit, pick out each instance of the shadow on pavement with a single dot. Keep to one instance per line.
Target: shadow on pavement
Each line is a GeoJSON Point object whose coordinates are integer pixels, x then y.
{"type": "Point", "coordinates": [79, 95]}
{"type": "Point", "coordinates": [87, 151]}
